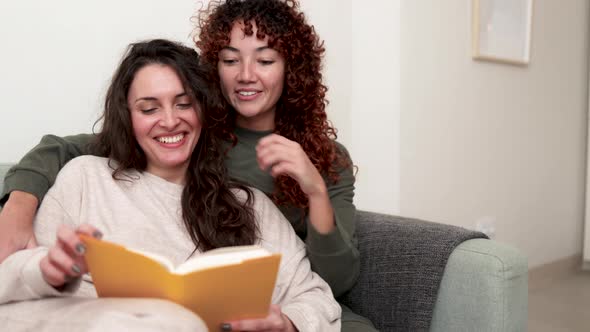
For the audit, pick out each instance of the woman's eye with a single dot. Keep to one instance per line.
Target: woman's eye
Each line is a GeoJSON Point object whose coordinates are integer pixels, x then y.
{"type": "Point", "coordinates": [229, 61]}
{"type": "Point", "coordinates": [148, 111]}
{"type": "Point", "coordinates": [184, 106]}
{"type": "Point", "coordinates": [266, 62]}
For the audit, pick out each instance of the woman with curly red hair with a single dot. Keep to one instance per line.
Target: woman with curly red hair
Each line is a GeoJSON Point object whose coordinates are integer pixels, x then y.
{"type": "Point", "coordinates": [268, 61]}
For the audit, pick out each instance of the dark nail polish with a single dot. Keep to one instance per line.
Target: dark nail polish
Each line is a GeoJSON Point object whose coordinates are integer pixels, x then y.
{"type": "Point", "coordinates": [76, 269]}
{"type": "Point", "coordinates": [80, 249]}
{"type": "Point", "coordinates": [226, 327]}
{"type": "Point", "coordinates": [97, 234]}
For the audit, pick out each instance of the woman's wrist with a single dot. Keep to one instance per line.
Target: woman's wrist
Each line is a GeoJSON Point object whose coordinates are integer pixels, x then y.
{"type": "Point", "coordinates": [321, 214]}
{"type": "Point", "coordinates": [318, 190]}
{"type": "Point", "coordinates": [23, 199]}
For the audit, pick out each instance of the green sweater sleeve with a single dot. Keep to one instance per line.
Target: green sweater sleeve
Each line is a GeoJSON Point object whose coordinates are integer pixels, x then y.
{"type": "Point", "coordinates": [335, 256]}
{"type": "Point", "coordinates": [37, 170]}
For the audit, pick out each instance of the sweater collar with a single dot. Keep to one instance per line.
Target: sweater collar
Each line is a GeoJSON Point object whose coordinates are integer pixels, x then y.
{"type": "Point", "coordinates": [249, 135]}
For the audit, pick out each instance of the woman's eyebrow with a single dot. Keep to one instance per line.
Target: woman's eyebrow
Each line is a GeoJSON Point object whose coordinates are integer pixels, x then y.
{"type": "Point", "coordinates": [145, 98]}
{"type": "Point", "coordinates": [233, 49]}
{"type": "Point", "coordinates": [182, 94]}
{"type": "Point", "coordinates": [229, 48]}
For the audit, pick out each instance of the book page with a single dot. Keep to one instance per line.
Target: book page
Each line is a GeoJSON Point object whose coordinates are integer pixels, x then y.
{"type": "Point", "coordinates": [221, 257]}
{"type": "Point", "coordinates": [165, 262]}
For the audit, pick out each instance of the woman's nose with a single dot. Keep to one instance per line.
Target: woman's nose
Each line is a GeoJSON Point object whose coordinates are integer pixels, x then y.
{"type": "Point", "coordinates": [169, 119]}
{"type": "Point", "coordinates": [246, 73]}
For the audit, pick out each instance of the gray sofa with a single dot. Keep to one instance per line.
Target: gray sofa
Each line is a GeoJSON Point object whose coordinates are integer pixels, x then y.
{"type": "Point", "coordinates": [483, 287]}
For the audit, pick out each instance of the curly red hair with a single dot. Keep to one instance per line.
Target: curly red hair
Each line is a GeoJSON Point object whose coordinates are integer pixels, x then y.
{"type": "Point", "coordinates": [300, 113]}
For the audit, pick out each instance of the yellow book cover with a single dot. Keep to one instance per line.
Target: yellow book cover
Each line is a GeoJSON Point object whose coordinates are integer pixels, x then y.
{"type": "Point", "coordinates": [219, 285]}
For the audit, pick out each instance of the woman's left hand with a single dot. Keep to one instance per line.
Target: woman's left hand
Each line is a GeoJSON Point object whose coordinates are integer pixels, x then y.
{"type": "Point", "coordinates": [281, 156]}
{"type": "Point", "coordinates": [276, 321]}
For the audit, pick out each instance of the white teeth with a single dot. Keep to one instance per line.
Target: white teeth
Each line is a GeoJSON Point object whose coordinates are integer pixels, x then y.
{"type": "Point", "coordinates": [247, 93]}
{"type": "Point", "coordinates": [170, 139]}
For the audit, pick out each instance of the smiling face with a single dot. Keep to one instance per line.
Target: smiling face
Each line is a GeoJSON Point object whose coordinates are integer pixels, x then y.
{"type": "Point", "coordinates": [252, 77]}
{"type": "Point", "coordinates": [165, 121]}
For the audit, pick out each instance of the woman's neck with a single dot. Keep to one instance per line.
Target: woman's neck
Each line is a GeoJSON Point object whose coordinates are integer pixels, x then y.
{"type": "Point", "coordinates": [260, 122]}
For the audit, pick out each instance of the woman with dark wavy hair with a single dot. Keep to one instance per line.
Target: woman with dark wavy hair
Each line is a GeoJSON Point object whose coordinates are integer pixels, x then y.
{"type": "Point", "coordinates": [161, 187]}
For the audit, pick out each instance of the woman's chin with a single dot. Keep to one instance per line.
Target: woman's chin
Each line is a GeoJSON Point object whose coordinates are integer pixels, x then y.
{"type": "Point", "coordinates": [173, 163]}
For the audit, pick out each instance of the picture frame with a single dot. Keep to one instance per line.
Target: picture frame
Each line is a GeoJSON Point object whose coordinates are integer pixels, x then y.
{"type": "Point", "coordinates": [502, 31]}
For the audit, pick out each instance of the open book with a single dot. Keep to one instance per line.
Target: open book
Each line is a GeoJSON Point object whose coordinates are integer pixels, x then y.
{"type": "Point", "coordinates": [219, 285]}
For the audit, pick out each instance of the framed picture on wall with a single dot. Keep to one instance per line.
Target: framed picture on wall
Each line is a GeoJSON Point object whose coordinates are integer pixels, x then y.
{"type": "Point", "coordinates": [502, 30]}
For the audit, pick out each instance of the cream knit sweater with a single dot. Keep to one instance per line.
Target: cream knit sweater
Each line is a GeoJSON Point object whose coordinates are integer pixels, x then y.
{"type": "Point", "coordinates": [144, 213]}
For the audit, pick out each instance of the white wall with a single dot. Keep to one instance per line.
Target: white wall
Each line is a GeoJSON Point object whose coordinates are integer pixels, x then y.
{"type": "Point", "coordinates": [362, 74]}
{"type": "Point", "coordinates": [57, 58]}
{"type": "Point", "coordinates": [335, 30]}
{"type": "Point", "coordinates": [375, 101]}
{"type": "Point", "coordinates": [485, 141]}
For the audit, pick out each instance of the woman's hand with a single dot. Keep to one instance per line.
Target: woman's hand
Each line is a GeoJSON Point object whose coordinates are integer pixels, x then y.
{"type": "Point", "coordinates": [65, 260]}
{"type": "Point", "coordinates": [16, 223]}
{"type": "Point", "coordinates": [276, 321]}
{"type": "Point", "coordinates": [282, 156]}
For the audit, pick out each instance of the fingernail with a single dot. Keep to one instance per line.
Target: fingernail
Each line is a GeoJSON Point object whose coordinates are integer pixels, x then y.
{"type": "Point", "coordinates": [80, 249]}
{"type": "Point", "coordinates": [226, 327]}
{"type": "Point", "coordinates": [76, 269]}
{"type": "Point", "coordinates": [97, 234]}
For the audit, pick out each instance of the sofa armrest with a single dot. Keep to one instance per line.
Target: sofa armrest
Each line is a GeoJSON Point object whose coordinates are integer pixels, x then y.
{"type": "Point", "coordinates": [402, 264]}
{"type": "Point", "coordinates": [484, 288]}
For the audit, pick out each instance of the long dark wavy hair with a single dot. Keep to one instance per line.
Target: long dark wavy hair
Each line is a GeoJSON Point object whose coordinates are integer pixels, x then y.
{"type": "Point", "coordinates": [300, 113]}
{"type": "Point", "coordinates": [213, 215]}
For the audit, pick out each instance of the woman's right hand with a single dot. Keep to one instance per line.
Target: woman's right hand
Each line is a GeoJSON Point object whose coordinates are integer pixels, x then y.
{"type": "Point", "coordinates": [65, 259]}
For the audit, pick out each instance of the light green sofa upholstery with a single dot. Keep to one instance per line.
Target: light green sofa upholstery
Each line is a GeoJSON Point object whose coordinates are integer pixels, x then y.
{"type": "Point", "coordinates": [483, 289]}
{"type": "Point", "coordinates": [3, 169]}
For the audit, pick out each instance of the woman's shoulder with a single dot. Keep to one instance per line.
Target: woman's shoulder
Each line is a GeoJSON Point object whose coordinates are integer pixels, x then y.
{"type": "Point", "coordinates": [83, 168]}
{"type": "Point", "coordinates": [93, 164]}
{"type": "Point", "coordinates": [87, 161]}
{"type": "Point", "coordinates": [341, 149]}
{"type": "Point", "coordinates": [77, 172]}
{"type": "Point", "coordinates": [258, 197]}
{"type": "Point", "coordinates": [343, 163]}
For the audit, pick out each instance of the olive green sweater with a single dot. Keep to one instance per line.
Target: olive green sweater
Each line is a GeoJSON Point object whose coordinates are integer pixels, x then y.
{"type": "Point", "coordinates": [333, 256]}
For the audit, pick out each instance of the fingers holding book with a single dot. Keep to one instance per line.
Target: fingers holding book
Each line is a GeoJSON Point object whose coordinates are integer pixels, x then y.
{"type": "Point", "coordinates": [275, 321]}
{"type": "Point", "coordinates": [65, 259]}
